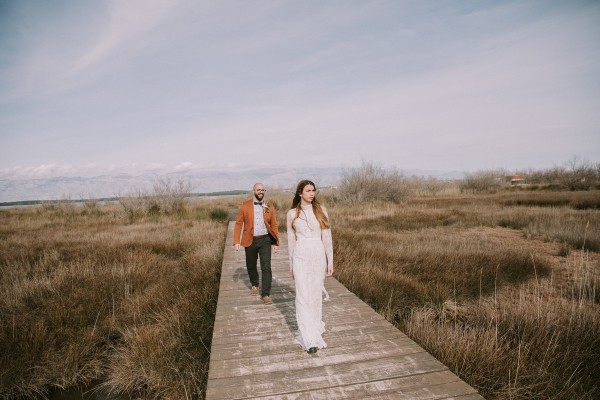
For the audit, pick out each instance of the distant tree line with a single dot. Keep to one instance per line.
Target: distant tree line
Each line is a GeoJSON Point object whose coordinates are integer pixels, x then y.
{"type": "Point", "coordinates": [576, 174]}
{"type": "Point", "coordinates": [372, 182]}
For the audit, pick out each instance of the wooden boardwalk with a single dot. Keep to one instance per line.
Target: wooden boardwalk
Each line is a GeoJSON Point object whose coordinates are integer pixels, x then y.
{"type": "Point", "coordinates": [254, 355]}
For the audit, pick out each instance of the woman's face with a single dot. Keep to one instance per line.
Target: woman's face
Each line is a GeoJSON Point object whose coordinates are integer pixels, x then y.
{"type": "Point", "coordinates": [308, 193]}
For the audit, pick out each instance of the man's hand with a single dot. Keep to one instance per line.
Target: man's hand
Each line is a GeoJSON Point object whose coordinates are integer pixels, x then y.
{"type": "Point", "coordinates": [275, 248]}
{"type": "Point", "coordinates": [237, 247]}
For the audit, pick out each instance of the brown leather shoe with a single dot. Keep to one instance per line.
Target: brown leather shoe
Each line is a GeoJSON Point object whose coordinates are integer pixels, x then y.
{"type": "Point", "coordinates": [267, 300]}
{"type": "Point", "coordinates": [254, 291]}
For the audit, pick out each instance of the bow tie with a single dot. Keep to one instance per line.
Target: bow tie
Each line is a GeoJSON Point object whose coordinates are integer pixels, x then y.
{"type": "Point", "coordinates": [258, 203]}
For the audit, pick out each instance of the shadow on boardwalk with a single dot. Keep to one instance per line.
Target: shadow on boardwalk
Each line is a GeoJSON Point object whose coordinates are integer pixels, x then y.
{"type": "Point", "coordinates": [254, 354]}
{"type": "Point", "coordinates": [283, 297]}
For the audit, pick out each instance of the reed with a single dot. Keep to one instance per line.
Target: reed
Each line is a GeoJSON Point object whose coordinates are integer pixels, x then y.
{"type": "Point", "coordinates": [89, 296]}
{"type": "Point", "coordinates": [484, 284]}
{"type": "Point", "coordinates": [503, 291]}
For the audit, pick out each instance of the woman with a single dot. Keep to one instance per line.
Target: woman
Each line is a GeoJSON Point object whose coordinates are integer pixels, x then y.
{"type": "Point", "coordinates": [311, 256]}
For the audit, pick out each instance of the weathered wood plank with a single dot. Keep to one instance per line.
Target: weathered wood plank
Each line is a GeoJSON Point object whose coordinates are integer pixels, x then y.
{"type": "Point", "coordinates": [419, 387]}
{"type": "Point", "coordinates": [331, 376]}
{"type": "Point", "coordinates": [359, 327]}
{"type": "Point", "coordinates": [298, 359]}
{"type": "Point", "coordinates": [240, 350]}
{"type": "Point", "coordinates": [254, 354]}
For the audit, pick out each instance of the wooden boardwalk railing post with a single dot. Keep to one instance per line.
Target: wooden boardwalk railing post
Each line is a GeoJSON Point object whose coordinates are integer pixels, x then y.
{"type": "Point", "coordinates": [254, 355]}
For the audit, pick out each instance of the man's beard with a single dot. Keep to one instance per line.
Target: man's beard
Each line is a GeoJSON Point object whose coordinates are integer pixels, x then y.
{"type": "Point", "coordinates": [259, 196]}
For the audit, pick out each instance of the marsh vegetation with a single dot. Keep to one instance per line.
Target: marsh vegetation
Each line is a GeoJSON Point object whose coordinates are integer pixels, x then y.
{"type": "Point", "coordinates": [506, 296]}
{"type": "Point", "coordinates": [96, 295]}
{"type": "Point", "coordinates": [500, 285]}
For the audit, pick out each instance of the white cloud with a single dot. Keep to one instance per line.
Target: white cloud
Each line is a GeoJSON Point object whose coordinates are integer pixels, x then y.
{"type": "Point", "coordinates": [184, 166]}
{"type": "Point", "coordinates": [42, 171]}
{"type": "Point", "coordinates": [156, 167]}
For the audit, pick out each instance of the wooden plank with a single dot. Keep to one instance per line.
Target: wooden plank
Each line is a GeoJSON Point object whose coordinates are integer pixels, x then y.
{"type": "Point", "coordinates": [358, 327]}
{"type": "Point", "coordinates": [238, 349]}
{"type": "Point", "coordinates": [326, 377]}
{"type": "Point", "coordinates": [419, 387]}
{"type": "Point", "coordinates": [254, 354]}
{"type": "Point", "coordinates": [298, 359]}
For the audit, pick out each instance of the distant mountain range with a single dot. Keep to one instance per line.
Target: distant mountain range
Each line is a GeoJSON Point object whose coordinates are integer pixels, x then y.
{"type": "Point", "coordinates": [201, 181]}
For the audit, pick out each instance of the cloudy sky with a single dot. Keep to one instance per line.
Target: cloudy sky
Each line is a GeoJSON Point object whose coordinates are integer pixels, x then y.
{"type": "Point", "coordinates": [97, 86]}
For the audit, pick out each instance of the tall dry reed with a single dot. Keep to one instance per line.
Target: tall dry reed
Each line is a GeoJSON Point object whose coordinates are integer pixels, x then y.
{"type": "Point", "coordinates": [94, 296]}
{"type": "Point", "coordinates": [89, 297]}
{"type": "Point", "coordinates": [481, 282]}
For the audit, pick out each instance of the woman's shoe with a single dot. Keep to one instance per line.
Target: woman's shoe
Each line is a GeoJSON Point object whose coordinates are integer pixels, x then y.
{"type": "Point", "coordinates": [312, 350]}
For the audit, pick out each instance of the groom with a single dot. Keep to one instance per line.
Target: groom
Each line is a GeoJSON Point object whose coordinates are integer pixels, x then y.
{"type": "Point", "coordinates": [257, 220]}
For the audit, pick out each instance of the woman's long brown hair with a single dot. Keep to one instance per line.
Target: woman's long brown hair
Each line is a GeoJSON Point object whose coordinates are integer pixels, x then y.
{"type": "Point", "coordinates": [317, 209]}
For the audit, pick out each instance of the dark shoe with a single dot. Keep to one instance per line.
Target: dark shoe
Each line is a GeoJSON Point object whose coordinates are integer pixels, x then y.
{"type": "Point", "coordinates": [312, 350]}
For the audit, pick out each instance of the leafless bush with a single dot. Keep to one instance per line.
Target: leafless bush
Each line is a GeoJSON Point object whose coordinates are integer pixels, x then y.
{"type": "Point", "coordinates": [576, 174]}
{"type": "Point", "coordinates": [90, 203]}
{"type": "Point", "coordinates": [579, 175]}
{"type": "Point", "coordinates": [134, 203]}
{"type": "Point", "coordinates": [65, 205]}
{"type": "Point", "coordinates": [169, 197]}
{"type": "Point", "coordinates": [482, 181]}
{"type": "Point", "coordinates": [431, 186]}
{"type": "Point", "coordinates": [372, 182]}
{"type": "Point", "coordinates": [166, 197]}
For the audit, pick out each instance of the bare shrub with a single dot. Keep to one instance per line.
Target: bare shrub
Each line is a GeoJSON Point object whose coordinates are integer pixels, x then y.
{"type": "Point", "coordinates": [169, 196]}
{"type": "Point", "coordinates": [166, 197]}
{"type": "Point", "coordinates": [371, 182]}
{"type": "Point", "coordinates": [483, 181]}
{"type": "Point", "coordinates": [576, 174]}
{"type": "Point", "coordinates": [579, 175]}
{"type": "Point", "coordinates": [90, 203]}
{"type": "Point", "coordinates": [134, 203]}
{"type": "Point", "coordinates": [64, 206]}
{"type": "Point", "coordinates": [431, 186]}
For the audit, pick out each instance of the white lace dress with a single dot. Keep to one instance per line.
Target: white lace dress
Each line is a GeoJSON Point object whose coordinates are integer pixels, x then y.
{"type": "Point", "coordinates": [310, 250]}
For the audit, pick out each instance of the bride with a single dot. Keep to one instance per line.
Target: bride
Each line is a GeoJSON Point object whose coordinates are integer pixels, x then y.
{"type": "Point", "coordinates": [311, 256]}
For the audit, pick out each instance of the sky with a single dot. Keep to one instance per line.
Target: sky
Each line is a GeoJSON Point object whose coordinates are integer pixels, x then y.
{"type": "Point", "coordinates": [94, 86]}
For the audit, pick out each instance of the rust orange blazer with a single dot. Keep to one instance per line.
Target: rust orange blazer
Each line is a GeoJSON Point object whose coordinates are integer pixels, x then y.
{"type": "Point", "coordinates": [244, 224]}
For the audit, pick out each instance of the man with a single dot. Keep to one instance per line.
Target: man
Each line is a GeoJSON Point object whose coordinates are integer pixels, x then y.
{"type": "Point", "coordinates": [257, 224]}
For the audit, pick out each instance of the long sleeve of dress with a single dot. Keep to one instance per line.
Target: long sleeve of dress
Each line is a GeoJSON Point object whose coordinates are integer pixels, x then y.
{"type": "Point", "coordinates": [327, 241]}
{"type": "Point", "coordinates": [328, 244]}
{"type": "Point", "coordinates": [291, 236]}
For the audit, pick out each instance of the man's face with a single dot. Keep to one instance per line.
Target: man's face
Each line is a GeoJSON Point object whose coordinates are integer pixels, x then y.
{"type": "Point", "coordinates": [259, 192]}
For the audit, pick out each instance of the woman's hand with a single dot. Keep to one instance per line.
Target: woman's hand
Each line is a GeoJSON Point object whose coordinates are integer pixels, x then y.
{"type": "Point", "coordinates": [330, 270]}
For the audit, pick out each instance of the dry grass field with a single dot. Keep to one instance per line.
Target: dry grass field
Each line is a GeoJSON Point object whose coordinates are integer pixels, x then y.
{"type": "Point", "coordinates": [501, 287]}
{"type": "Point", "coordinates": [91, 298]}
